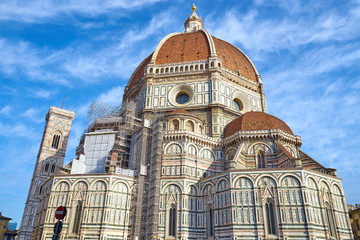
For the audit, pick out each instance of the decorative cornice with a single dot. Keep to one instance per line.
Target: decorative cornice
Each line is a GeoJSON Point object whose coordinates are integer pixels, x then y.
{"type": "Point", "coordinates": [170, 135]}
{"type": "Point", "coordinates": [275, 134]}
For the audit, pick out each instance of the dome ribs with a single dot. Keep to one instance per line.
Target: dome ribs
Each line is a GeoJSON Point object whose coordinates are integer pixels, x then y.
{"type": "Point", "coordinates": [184, 48]}
{"type": "Point", "coordinates": [253, 121]}
{"type": "Point", "coordinates": [140, 71]}
{"type": "Point", "coordinates": [234, 59]}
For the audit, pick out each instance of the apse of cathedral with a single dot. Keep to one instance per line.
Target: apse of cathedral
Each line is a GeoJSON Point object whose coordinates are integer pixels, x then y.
{"type": "Point", "coordinates": [191, 154]}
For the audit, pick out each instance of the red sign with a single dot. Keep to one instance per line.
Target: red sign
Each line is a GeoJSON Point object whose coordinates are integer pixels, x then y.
{"type": "Point", "coordinates": [60, 212]}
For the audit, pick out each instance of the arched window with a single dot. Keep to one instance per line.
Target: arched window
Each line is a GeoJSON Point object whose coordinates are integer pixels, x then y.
{"type": "Point", "coordinates": [192, 150]}
{"type": "Point", "coordinates": [207, 154]}
{"type": "Point", "coordinates": [190, 126]}
{"type": "Point", "coordinates": [209, 221]}
{"type": "Point", "coordinates": [173, 149]}
{"type": "Point", "coordinates": [56, 141]}
{"type": "Point", "coordinates": [172, 221]}
{"type": "Point", "coordinates": [200, 129]}
{"type": "Point", "coordinates": [261, 160]}
{"type": "Point", "coordinates": [53, 168]}
{"type": "Point", "coordinates": [270, 217]}
{"type": "Point", "coordinates": [46, 166]}
{"type": "Point", "coordinates": [330, 220]}
{"type": "Point", "coordinates": [237, 105]}
{"type": "Point", "coordinates": [176, 124]}
{"type": "Point", "coordinates": [77, 217]}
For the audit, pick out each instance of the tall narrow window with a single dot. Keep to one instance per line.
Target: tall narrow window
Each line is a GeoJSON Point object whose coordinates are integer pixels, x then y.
{"type": "Point", "coordinates": [53, 168]}
{"type": "Point", "coordinates": [56, 141]}
{"type": "Point", "coordinates": [176, 124]}
{"type": "Point", "coordinates": [261, 160]}
{"type": "Point", "coordinates": [46, 167]}
{"type": "Point", "coordinates": [172, 221]}
{"type": "Point", "coordinates": [330, 220]}
{"type": "Point", "coordinates": [270, 218]}
{"type": "Point", "coordinates": [210, 221]}
{"type": "Point", "coordinates": [190, 126]}
{"type": "Point", "coordinates": [77, 217]}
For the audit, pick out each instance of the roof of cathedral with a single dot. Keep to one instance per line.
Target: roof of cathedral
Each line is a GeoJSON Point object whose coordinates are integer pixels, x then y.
{"type": "Point", "coordinates": [252, 121]}
{"type": "Point", "coordinates": [197, 45]}
{"type": "Point", "coordinates": [139, 72]}
{"type": "Point", "coordinates": [184, 47]}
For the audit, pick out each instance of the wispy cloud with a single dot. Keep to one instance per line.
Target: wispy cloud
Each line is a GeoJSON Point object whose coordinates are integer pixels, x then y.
{"type": "Point", "coordinates": [5, 110]}
{"type": "Point", "coordinates": [90, 62]}
{"type": "Point", "coordinates": [119, 58]}
{"type": "Point", "coordinates": [257, 33]}
{"type": "Point", "coordinates": [113, 96]}
{"type": "Point", "coordinates": [17, 130]}
{"type": "Point", "coordinates": [33, 114]}
{"type": "Point", "coordinates": [37, 11]}
{"type": "Point", "coordinates": [41, 93]}
{"type": "Point", "coordinates": [20, 58]}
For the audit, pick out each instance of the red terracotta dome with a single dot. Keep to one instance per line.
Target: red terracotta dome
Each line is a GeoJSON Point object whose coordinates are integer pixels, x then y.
{"type": "Point", "coordinates": [253, 121]}
{"type": "Point", "coordinates": [194, 46]}
{"type": "Point", "coordinates": [184, 47]}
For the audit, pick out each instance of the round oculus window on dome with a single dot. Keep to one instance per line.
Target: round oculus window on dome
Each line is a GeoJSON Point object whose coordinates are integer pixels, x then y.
{"type": "Point", "coordinates": [182, 98]}
{"type": "Point", "coordinates": [238, 106]}
{"type": "Point", "coordinates": [181, 95]}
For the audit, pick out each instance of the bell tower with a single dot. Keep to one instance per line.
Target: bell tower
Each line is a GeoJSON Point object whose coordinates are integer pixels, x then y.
{"type": "Point", "coordinates": [49, 161]}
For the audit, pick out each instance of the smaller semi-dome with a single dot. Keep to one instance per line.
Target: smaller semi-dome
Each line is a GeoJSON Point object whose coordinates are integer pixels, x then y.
{"type": "Point", "coordinates": [253, 121]}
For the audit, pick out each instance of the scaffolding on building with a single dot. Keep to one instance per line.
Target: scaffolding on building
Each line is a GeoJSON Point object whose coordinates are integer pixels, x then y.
{"type": "Point", "coordinates": [154, 175]}
{"type": "Point", "coordinates": [98, 109]}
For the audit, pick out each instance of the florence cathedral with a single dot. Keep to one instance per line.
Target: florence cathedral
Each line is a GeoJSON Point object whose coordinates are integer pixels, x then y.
{"type": "Point", "coordinates": [190, 154]}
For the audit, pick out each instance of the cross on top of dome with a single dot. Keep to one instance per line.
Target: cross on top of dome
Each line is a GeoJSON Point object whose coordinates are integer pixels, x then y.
{"type": "Point", "coordinates": [193, 23]}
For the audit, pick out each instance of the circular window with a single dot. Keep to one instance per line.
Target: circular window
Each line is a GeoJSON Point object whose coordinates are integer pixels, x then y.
{"type": "Point", "coordinates": [181, 95]}
{"type": "Point", "coordinates": [182, 98]}
{"type": "Point", "coordinates": [237, 105]}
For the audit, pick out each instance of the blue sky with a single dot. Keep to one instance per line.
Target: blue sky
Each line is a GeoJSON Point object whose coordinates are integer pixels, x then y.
{"type": "Point", "coordinates": [307, 52]}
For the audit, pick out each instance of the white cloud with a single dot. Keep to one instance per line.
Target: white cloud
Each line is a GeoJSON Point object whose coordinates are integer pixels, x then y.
{"type": "Point", "coordinates": [38, 11]}
{"type": "Point", "coordinates": [5, 110]}
{"type": "Point", "coordinates": [259, 34]}
{"type": "Point", "coordinates": [113, 96]}
{"type": "Point", "coordinates": [17, 130]}
{"type": "Point", "coordinates": [41, 93]}
{"type": "Point", "coordinates": [299, 75]}
{"type": "Point", "coordinates": [91, 62]}
{"type": "Point", "coordinates": [120, 58]}
{"type": "Point", "coordinates": [22, 58]}
{"type": "Point", "coordinates": [156, 24]}
{"type": "Point", "coordinates": [33, 115]}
